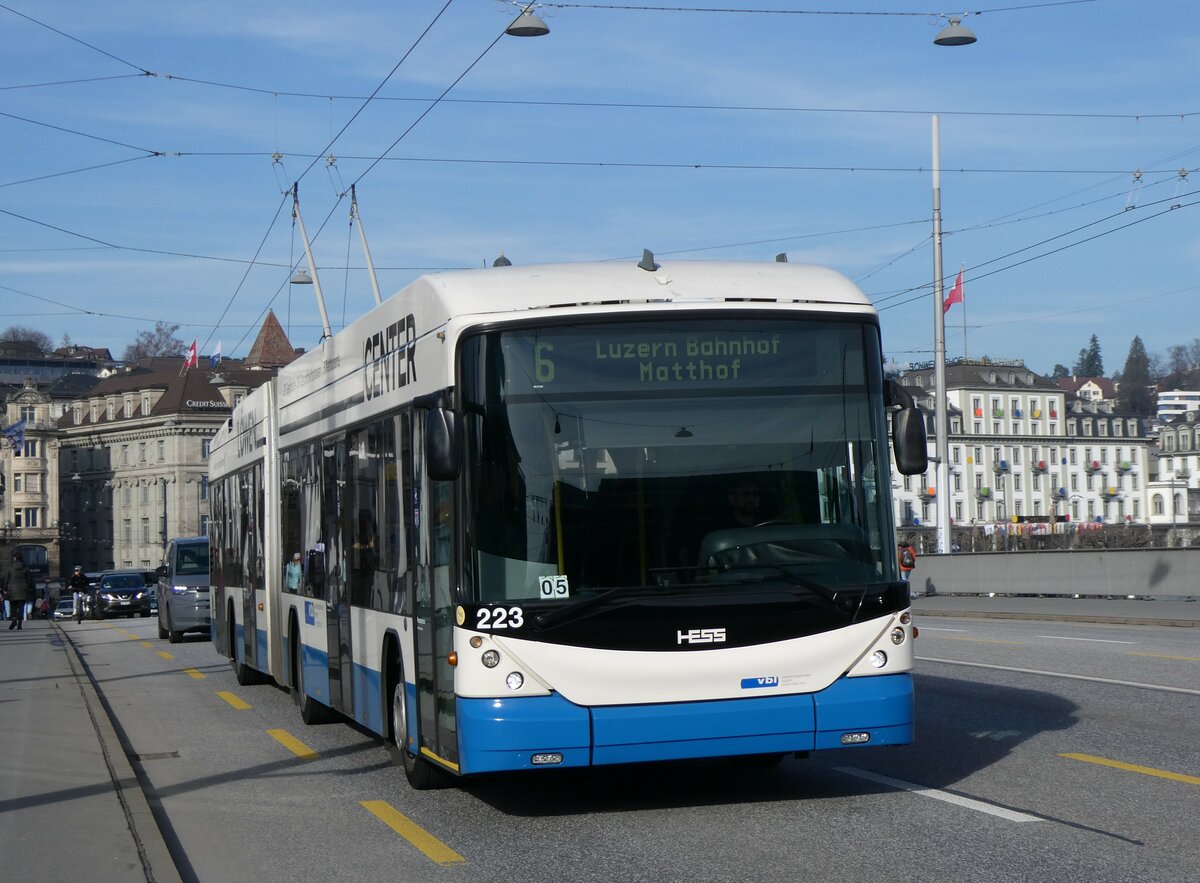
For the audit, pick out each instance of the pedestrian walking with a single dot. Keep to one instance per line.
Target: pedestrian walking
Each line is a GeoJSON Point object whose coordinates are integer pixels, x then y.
{"type": "Point", "coordinates": [20, 590]}
{"type": "Point", "coordinates": [906, 555]}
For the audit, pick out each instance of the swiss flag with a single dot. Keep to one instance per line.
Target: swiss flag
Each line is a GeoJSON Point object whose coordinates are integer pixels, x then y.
{"type": "Point", "coordinates": [192, 359]}
{"type": "Point", "coordinates": [956, 293]}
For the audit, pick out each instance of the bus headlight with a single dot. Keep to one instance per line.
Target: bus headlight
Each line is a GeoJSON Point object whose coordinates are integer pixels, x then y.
{"type": "Point", "coordinates": [515, 680]}
{"type": "Point", "coordinates": [897, 635]}
{"type": "Point", "coordinates": [490, 658]}
{"type": "Point", "coordinates": [878, 659]}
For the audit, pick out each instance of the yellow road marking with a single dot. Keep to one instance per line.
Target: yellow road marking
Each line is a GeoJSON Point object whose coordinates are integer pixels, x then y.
{"type": "Point", "coordinates": [433, 848]}
{"type": "Point", "coordinates": [1164, 656]}
{"type": "Point", "coordinates": [131, 636]}
{"type": "Point", "coordinates": [977, 640]}
{"type": "Point", "coordinates": [232, 700]}
{"type": "Point", "coordinates": [165, 655]}
{"type": "Point", "coordinates": [193, 673]}
{"type": "Point", "coordinates": [1134, 768]}
{"type": "Point", "coordinates": [294, 745]}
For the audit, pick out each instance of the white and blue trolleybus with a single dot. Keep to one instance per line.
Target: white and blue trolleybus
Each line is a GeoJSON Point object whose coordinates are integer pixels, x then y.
{"type": "Point", "coordinates": [573, 515]}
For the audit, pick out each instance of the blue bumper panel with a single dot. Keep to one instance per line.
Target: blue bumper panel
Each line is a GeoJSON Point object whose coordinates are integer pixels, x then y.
{"type": "Point", "coordinates": [368, 703]}
{"type": "Point", "coordinates": [703, 729]}
{"type": "Point", "coordinates": [504, 734]}
{"type": "Point", "coordinates": [881, 706]}
{"type": "Point", "coordinates": [316, 672]}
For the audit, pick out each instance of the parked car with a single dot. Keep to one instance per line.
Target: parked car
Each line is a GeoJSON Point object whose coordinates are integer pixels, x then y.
{"type": "Point", "coordinates": [121, 593]}
{"type": "Point", "coordinates": [65, 609]}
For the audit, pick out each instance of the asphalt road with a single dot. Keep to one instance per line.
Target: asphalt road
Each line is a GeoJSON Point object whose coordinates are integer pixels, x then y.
{"type": "Point", "coordinates": [1045, 751]}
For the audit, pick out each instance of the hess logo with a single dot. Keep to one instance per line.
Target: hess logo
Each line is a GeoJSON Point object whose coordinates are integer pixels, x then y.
{"type": "Point", "coordinates": [700, 636]}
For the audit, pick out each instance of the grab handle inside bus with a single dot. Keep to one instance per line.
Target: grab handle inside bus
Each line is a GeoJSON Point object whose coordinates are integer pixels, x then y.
{"type": "Point", "coordinates": [443, 437]}
{"type": "Point", "coordinates": [908, 431]}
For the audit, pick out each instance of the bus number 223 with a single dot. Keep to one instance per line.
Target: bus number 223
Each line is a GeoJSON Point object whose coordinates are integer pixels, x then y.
{"type": "Point", "coordinates": [499, 618]}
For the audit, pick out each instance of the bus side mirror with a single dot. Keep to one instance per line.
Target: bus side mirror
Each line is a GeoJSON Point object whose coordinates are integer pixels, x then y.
{"type": "Point", "coordinates": [909, 442]}
{"type": "Point", "coordinates": [162, 570]}
{"type": "Point", "coordinates": [443, 443]}
{"type": "Point", "coordinates": [908, 431]}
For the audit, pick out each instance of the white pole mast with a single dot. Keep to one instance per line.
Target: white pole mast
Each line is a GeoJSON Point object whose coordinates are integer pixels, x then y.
{"type": "Point", "coordinates": [942, 446]}
{"type": "Point", "coordinates": [326, 331]}
{"type": "Point", "coordinates": [362, 234]}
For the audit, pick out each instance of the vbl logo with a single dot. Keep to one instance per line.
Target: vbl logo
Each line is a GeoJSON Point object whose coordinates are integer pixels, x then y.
{"type": "Point", "coordinates": [755, 683]}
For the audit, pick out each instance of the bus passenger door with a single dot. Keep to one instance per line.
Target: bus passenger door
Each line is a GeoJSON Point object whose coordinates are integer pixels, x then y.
{"type": "Point", "coordinates": [337, 594]}
{"type": "Point", "coordinates": [251, 540]}
{"type": "Point", "coordinates": [434, 615]}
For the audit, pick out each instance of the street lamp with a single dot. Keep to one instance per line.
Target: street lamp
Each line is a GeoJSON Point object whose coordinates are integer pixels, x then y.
{"type": "Point", "coordinates": [527, 24]}
{"type": "Point", "coordinates": [954, 34]}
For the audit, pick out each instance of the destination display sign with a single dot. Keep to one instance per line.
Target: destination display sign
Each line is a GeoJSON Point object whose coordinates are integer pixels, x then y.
{"type": "Point", "coordinates": [693, 355]}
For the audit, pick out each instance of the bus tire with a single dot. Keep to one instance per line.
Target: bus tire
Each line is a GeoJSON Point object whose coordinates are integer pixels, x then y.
{"type": "Point", "coordinates": [421, 774]}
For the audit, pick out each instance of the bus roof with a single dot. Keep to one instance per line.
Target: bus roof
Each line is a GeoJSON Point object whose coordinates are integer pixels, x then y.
{"type": "Point", "coordinates": [516, 288]}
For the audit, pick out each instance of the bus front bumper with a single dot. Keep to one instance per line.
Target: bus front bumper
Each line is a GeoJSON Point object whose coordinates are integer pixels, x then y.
{"type": "Point", "coordinates": [524, 733]}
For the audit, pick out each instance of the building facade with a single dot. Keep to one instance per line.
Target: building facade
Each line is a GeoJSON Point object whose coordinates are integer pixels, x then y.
{"type": "Point", "coordinates": [1175, 488]}
{"type": "Point", "coordinates": [29, 470]}
{"type": "Point", "coordinates": [1024, 452]}
{"type": "Point", "coordinates": [133, 460]}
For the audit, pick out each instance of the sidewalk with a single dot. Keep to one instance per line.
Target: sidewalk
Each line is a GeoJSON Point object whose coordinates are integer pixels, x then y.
{"type": "Point", "coordinates": [1119, 611]}
{"type": "Point", "coordinates": [70, 803]}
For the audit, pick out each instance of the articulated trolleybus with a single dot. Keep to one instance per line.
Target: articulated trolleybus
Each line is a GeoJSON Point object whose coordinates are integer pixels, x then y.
{"type": "Point", "coordinates": [576, 515]}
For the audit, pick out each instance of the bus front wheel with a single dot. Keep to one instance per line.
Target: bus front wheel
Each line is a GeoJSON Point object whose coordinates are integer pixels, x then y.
{"type": "Point", "coordinates": [421, 774]}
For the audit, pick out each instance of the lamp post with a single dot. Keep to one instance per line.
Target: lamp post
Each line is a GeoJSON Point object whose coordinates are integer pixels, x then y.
{"type": "Point", "coordinates": [941, 428]}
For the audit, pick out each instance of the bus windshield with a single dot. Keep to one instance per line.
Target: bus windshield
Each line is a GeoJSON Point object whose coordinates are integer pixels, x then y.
{"type": "Point", "coordinates": [688, 457]}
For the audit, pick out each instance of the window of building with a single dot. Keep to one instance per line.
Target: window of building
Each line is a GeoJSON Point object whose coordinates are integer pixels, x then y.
{"type": "Point", "coordinates": [18, 482]}
{"type": "Point", "coordinates": [1102, 427]}
{"type": "Point", "coordinates": [29, 413]}
{"type": "Point", "coordinates": [146, 531]}
{"type": "Point", "coordinates": [145, 405]}
{"type": "Point", "coordinates": [141, 452]}
{"type": "Point", "coordinates": [145, 493]}
{"type": "Point", "coordinates": [1017, 511]}
{"type": "Point", "coordinates": [1075, 482]}
{"type": "Point", "coordinates": [1118, 427]}
{"type": "Point", "coordinates": [127, 531]}
{"type": "Point", "coordinates": [955, 425]}
{"type": "Point", "coordinates": [955, 454]}
{"type": "Point", "coordinates": [1033, 429]}
{"type": "Point", "coordinates": [204, 487]}
{"type": "Point", "coordinates": [205, 448]}
{"type": "Point", "coordinates": [110, 409]}
{"type": "Point", "coordinates": [1036, 482]}
{"type": "Point", "coordinates": [162, 450]}
{"type": "Point", "coordinates": [203, 525]}
{"type": "Point", "coordinates": [1037, 507]}
{"type": "Point", "coordinates": [958, 510]}
{"type": "Point", "coordinates": [124, 455]}
{"type": "Point", "coordinates": [958, 482]}
{"type": "Point", "coordinates": [1017, 481]}
{"type": "Point", "coordinates": [1072, 429]}
{"type": "Point", "coordinates": [996, 429]}
{"type": "Point", "coordinates": [1131, 426]}
{"type": "Point", "coordinates": [128, 407]}
{"type": "Point", "coordinates": [977, 427]}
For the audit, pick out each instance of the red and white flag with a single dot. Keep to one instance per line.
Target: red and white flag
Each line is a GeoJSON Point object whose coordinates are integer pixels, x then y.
{"type": "Point", "coordinates": [192, 360]}
{"type": "Point", "coordinates": [956, 293]}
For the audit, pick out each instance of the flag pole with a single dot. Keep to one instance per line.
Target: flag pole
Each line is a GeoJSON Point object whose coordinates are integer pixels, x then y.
{"type": "Point", "coordinates": [963, 295]}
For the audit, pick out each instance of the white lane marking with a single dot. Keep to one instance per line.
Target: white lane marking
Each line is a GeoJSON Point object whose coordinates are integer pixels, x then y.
{"type": "Point", "coordinates": [1093, 640]}
{"type": "Point", "coordinates": [1061, 674]}
{"type": "Point", "coordinates": [966, 802]}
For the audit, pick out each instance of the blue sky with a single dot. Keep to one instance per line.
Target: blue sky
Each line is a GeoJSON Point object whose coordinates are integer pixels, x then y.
{"type": "Point", "coordinates": [699, 135]}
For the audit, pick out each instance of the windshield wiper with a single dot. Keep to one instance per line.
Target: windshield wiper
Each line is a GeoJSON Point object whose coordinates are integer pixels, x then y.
{"type": "Point", "coordinates": [832, 599]}
{"type": "Point", "coordinates": [584, 606]}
